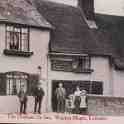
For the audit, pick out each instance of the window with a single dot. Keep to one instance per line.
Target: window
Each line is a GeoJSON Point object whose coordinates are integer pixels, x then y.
{"type": "Point", "coordinates": [17, 41]}
{"type": "Point", "coordinates": [92, 87]}
{"type": "Point", "coordinates": [61, 65]}
{"type": "Point", "coordinates": [14, 81]}
{"type": "Point", "coordinates": [17, 38]}
{"type": "Point", "coordinates": [76, 64]}
{"type": "Point", "coordinates": [81, 64]}
{"type": "Point", "coordinates": [10, 82]}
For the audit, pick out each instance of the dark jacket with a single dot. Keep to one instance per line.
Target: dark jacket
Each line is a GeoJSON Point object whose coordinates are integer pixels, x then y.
{"type": "Point", "coordinates": [22, 96]}
{"type": "Point", "coordinates": [60, 93]}
{"type": "Point", "coordinates": [39, 93]}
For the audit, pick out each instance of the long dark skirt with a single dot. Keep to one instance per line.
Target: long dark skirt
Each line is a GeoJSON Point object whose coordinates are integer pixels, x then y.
{"type": "Point", "coordinates": [77, 103]}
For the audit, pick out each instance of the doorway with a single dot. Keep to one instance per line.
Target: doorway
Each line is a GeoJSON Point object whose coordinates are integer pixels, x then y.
{"type": "Point", "coordinates": [93, 87]}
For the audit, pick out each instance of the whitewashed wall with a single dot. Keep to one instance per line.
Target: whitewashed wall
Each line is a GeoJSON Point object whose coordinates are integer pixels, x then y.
{"type": "Point", "coordinates": [39, 40]}
{"type": "Point", "coordinates": [118, 83]}
{"type": "Point", "coordinates": [38, 44]}
{"type": "Point", "coordinates": [102, 72]}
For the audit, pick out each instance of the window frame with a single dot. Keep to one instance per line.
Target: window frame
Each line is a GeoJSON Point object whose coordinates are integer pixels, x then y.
{"type": "Point", "coordinates": [61, 60]}
{"type": "Point", "coordinates": [14, 76]}
{"type": "Point", "coordinates": [20, 27]}
{"type": "Point", "coordinates": [87, 85]}
{"type": "Point", "coordinates": [71, 60]}
{"type": "Point", "coordinates": [18, 52]}
{"type": "Point", "coordinates": [82, 61]}
{"type": "Point", "coordinates": [32, 80]}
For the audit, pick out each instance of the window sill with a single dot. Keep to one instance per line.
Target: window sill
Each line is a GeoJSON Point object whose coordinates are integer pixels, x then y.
{"type": "Point", "coordinates": [83, 71]}
{"type": "Point", "coordinates": [75, 71]}
{"type": "Point", "coordinates": [17, 53]}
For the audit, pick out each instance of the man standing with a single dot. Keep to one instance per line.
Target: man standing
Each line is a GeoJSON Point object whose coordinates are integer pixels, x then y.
{"type": "Point", "coordinates": [61, 96]}
{"type": "Point", "coordinates": [38, 94]}
{"type": "Point", "coordinates": [23, 100]}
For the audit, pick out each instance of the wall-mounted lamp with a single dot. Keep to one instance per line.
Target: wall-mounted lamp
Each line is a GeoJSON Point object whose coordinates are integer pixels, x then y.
{"type": "Point", "coordinates": [39, 72]}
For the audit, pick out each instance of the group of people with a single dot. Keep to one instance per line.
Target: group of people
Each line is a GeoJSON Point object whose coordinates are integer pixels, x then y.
{"type": "Point", "coordinates": [77, 101]}
{"type": "Point", "coordinates": [38, 94]}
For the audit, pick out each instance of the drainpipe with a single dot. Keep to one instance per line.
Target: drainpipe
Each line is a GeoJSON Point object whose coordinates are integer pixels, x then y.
{"type": "Point", "coordinates": [47, 85]}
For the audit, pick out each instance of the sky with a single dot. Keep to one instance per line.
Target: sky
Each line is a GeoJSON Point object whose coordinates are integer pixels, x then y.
{"type": "Point", "coordinates": [113, 7]}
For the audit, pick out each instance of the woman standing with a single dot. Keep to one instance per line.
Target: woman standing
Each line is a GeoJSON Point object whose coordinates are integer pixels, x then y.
{"type": "Point", "coordinates": [77, 100]}
{"type": "Point", "coordinates": [84, 102]}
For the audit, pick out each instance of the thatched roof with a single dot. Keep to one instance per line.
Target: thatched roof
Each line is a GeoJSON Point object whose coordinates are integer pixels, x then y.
{"type": "Point", "coordinates": [112, 30]}
{"type": "Point", "coordinates": [71, 33]}
{"type": "Point", "coordinates": [20, 12]}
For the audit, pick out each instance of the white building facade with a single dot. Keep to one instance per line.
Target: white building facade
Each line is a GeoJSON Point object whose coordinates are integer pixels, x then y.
{"type": "Point", "coordinates": [58, 49]}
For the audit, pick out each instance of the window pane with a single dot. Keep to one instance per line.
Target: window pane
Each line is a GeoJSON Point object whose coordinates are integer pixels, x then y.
{"type": "Point", "coordinates": [15, 76]}
{"type": "Point", "coordinates": [87, 63]}
{"type": "Point", "coordinates": [9, 76]}
{"type": "Point", "coordinates": [8, 40]}
{"type": "Point", "coordinates": [24, 42]}
{"type": "Point", "coordinates": [17, 30]}
{"type": "Point", "coordinates": [17, 38]}
{"type": "Point", "coordinates": [97, 88]}
{"type": "Point", "coordinates": [24, 30]}
{"type": "Point", "coordinates": [59, 65]}
{"type": "Point", "coordinates": [3, 83]}
{"type": "Point", "coordinates": [9, 28]}
{"type": "Point", "coordinates": [24, 45]}
{"type": "Point", "coordinates": [18, 81]}
{"type": "Point", "coordinates": [14, 87]}
{"type": "Point", "coordinates": [9, 86]}
{"type": "Point", "coordinates": [14, 83]}
{"type": "Point", "coordinates": [84, 63]}
{"type": "Point", "coordinates": [13, 39]}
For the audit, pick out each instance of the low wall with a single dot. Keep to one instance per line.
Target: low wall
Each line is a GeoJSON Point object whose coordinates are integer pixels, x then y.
{"type": "Point", "coordinates": [105, 105]}
{"type": "Point", "coordinates": [10, 104]}
{"type": "Point", "coordinates": [97, 105]}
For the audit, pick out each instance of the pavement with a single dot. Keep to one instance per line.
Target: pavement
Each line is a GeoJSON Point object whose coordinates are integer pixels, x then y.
{"type": "Point", "coordinates": [10, 104]}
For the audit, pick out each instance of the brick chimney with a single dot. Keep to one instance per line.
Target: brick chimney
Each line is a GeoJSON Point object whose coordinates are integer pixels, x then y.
{"type": "Point", "coordinates": [88, 7]}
